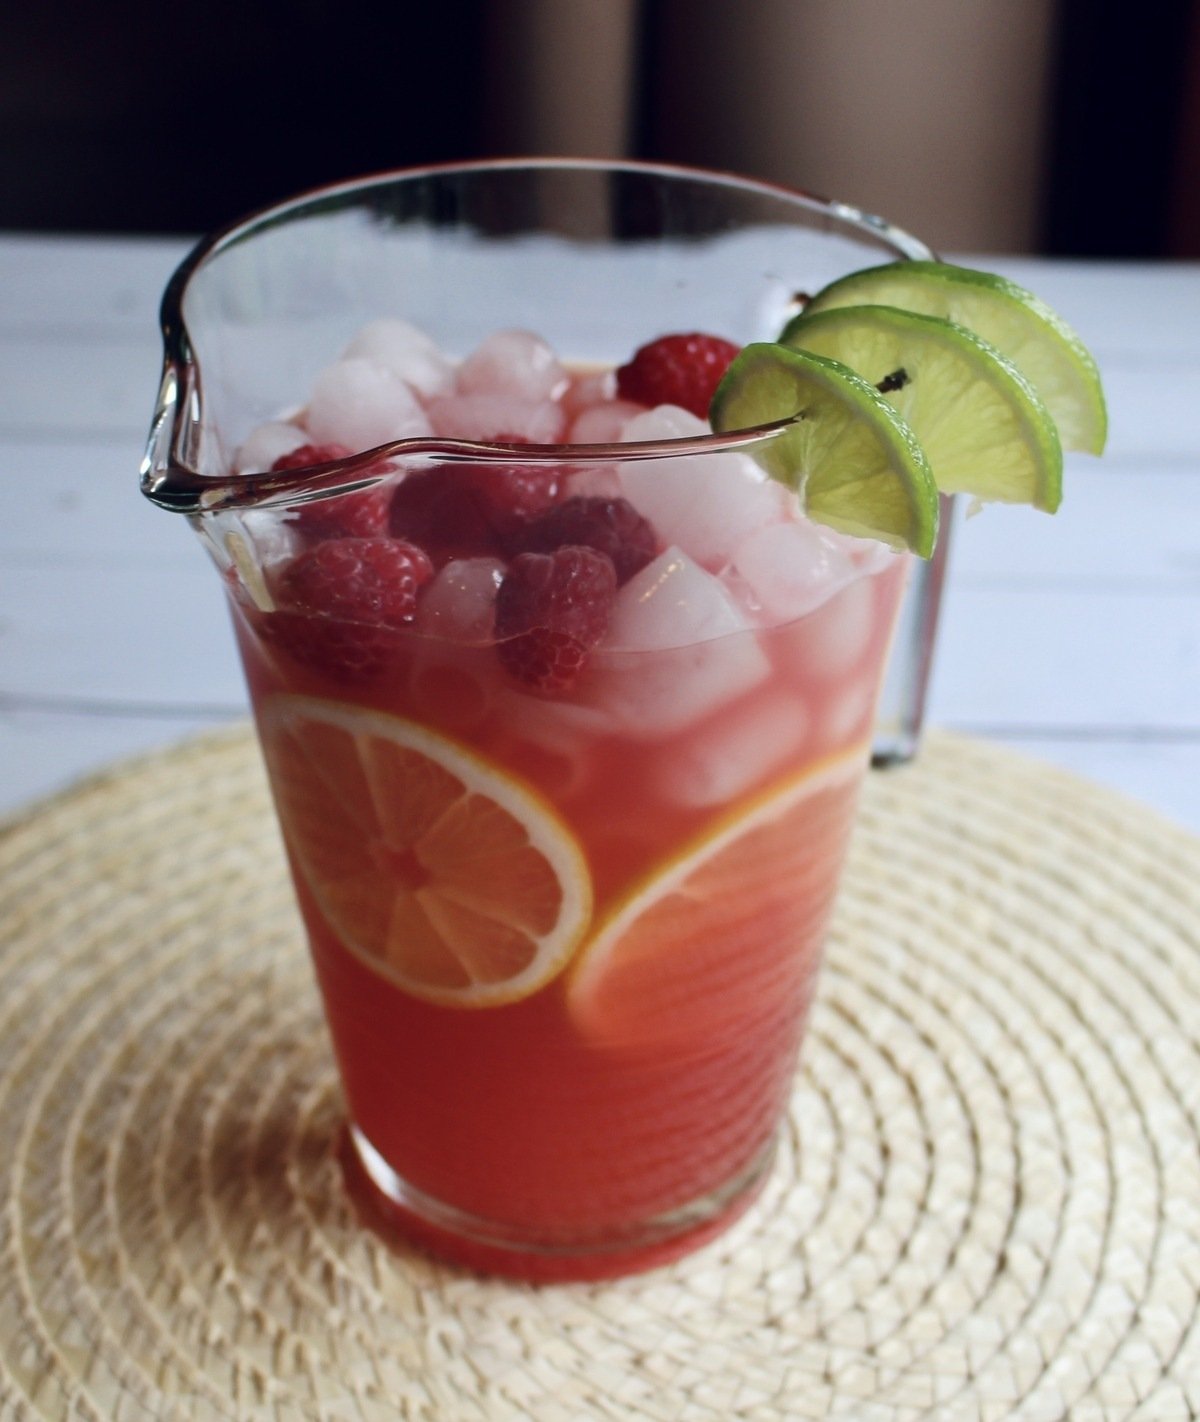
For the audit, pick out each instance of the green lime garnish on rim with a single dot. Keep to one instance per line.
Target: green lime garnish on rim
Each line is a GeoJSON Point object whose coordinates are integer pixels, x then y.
{"type": "Point", "coordinates": [855, 464]}
{"type": "Point", "coordinates": [988, 387]}
{"type": "Point", "coordinates": [1021, 327]}
{"type": "Point", "coordinates": [980, 422]}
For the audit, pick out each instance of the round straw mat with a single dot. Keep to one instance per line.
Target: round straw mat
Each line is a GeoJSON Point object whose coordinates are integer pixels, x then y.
{"type": "Point", "coordinates": [987, 1204]}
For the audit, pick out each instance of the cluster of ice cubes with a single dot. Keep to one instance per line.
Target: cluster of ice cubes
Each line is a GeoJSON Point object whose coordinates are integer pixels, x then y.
{"type": "Point", "coordinates": [738, 555]}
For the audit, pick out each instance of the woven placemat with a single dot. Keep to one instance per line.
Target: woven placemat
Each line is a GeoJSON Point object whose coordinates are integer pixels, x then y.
{"type": "Point", "coordinates": [987, 1205]}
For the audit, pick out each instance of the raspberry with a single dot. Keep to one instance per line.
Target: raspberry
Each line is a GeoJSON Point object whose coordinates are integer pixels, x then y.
{"type": "Point", "coordinates": [362, 515]}
{"type": "Point", "coordinates": [342, 601]}
{"type": "Point", "coordinates": [677, 370]}
{"type": "Point", "coordinates": [438, 510]}
{"type": "Point", "coordinates": [513, 494]}
{"type": "Point", "coordinates": [308, 454]}
{"type": "Point", "coordinates": [551, 611]}
{"type": "Point", "coordinates": [611, 526]}
{"type": "Point", "coordinates": [471, 510]}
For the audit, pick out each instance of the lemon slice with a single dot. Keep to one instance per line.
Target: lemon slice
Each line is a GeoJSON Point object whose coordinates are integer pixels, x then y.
{"type": "Point", "coordinates": [1038, 341]}
{"type": "Point", "coordinates": [980, 422]}
{"type": "Point", "coordinates": [855, 465]}
{"type": "Point", "coordinates": [439, 870]}
{"type": "Point", "coordinates": [728, 934]}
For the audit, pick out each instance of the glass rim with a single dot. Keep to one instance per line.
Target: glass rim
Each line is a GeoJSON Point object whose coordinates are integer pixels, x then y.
{"type": "Point", "coordinates": [173, 484]}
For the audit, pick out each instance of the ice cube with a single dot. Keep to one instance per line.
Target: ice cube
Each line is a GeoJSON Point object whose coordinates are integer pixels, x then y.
{"type": "Point", "coordinates": [563, 726]}
{"type": "Point", "coordinates": [595, 481]}
{"type": "Point", "coordinates": [359, 403]}
{"type": "Point", "coordinates": [671, 602]}
{"type": "Point", "coordinates": [255, 546]}
{"type": "Point", "coordinates": [589, 387]}
{"type": "Point", "coordinates": [406, 351]}
{"type": "Point", "coordinates": [736, 751]}
{"type": "Point", "coordinates": [666, 422]}
{"type": "Point", "coordinates": [848, 716]}
{"type": "Point", "coordinates": [264, 445]}
{"type": "Point", "coordinates": [551, 740]}
{"type": "Point", "coordinates": [459, 604]}
{"type": "Point", "coordinates": [833, 639]}
{"type": "Point", "coordinates": [787, 569]}
{"type": "Point", "coordinates": [603, 423]}
{"type": "Point", "coordinates": [274, 537]}
{"type": "Point", "coordinates": [867, 554]}
{"type": "Point", "coordinates": [516, 364]}
{"type": "Point", "coordinates": [505, 418]}
{"type": "Point", "coordinates": [705, 503]}
{"type": "Point", "coordinates": [677, 649]}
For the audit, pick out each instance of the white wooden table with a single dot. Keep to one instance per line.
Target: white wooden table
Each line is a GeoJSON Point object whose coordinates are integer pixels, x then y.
{"type": "Point", "coordinates": [1076, 639]}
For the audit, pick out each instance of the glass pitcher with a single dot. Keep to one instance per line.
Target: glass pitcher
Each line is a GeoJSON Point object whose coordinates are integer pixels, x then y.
{"type": "Point", "coordinates": [565, 882]}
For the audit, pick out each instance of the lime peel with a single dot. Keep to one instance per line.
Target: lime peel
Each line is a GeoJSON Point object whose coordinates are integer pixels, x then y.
{"type": "Point", "coordinates": [1017, 323]}
{"type": "Point", "coordinates": [854, 463]}
{"type": "Point", "coordinates": [982, 424]}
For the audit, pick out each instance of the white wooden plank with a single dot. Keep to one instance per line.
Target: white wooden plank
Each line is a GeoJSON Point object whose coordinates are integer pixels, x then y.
{"type": "Point", "coordinates": [42, 753]}
{"type": "Point", "coordinates": [1153, 411]}
{"type": "Point", "coordinates": [1122, 309]}
{"type": "Point", "coordinates": [121, 636]}
{"type": "Point", "coordinates": [105, 389]}
{"type": "Point", "coordinates": [76, 285]}
{"type": "Point", "coordinates": [97, 371]}
{"type": "Point", "coordinates": [64, 501]}
{"type": "Point", "coordinates": [84, 283]}
{"type": "Point", "coordinates": [70, 500]}
{"type": "Point", "coordinates": [111, 284]}
{"type": "Point", "coordinates": [1119, 524]}
{"type": "Point", "coordinates": [99, 386]}
{"type": "Point", "coordinates": [105, 386]}
{"type": "Point", "coordinates": [1009, 658]}
{"type": "Point", "coordinates": [1077, 638]}
{"type": "Point", "coordinates": [1020, 658]}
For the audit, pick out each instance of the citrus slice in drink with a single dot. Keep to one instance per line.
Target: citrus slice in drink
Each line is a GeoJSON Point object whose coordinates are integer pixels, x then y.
{"type": "Point", "coordinates": [439, 870]}
{"type": "Point", "coordinates": [981, 424]}
{"type": "Point", "coordinates": [1036, 339]}
{"type": "Point", "coordinates": [726, 936]}
{"type": "Point", "coordinates": [855, 464]}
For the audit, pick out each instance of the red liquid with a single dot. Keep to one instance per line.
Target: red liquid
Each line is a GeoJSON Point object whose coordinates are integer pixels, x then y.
{"type": "Point", "coordinates": [555, 1138]}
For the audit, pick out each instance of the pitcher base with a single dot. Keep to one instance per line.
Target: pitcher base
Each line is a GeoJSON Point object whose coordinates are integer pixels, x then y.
{"type": "Point", "coordinates": [401, 1214]}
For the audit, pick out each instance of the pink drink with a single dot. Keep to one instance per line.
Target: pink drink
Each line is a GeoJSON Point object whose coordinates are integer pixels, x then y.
{"type": "Point", "coordinates": [703, 758]}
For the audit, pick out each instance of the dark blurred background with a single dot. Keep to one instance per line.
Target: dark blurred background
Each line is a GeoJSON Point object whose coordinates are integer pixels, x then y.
{"type": "Point", "coordinates": [1068, 127]}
